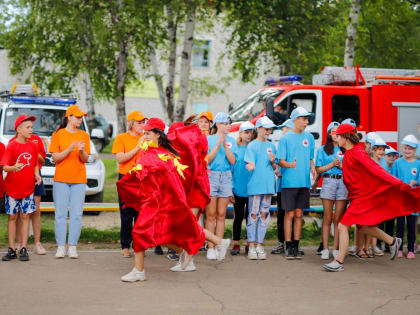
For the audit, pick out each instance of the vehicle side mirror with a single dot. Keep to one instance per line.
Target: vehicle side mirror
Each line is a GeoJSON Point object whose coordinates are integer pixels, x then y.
{"type": "Point", "coordinates": [97, 133]}
{"type": "Point", "coordinates": [311, 119]}
{"type": "Point", "coordinates": [230, 107]}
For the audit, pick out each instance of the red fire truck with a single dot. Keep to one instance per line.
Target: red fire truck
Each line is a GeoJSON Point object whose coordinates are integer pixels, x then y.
{"type": "Point", "coordinates": [369, 96]}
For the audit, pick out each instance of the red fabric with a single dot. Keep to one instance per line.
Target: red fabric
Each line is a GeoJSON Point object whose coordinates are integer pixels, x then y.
{"type": "Point", "coordinates": [374, 194]}
{"type": "Point", "coordinates": [2, 148]}
{"type": "Point", "coordinates": [20, 184]}
{"type": "Point", "coordinates": [158, 194]}
{"type": "Point", "coordinates": [191, 145]}
{"type": "Point", "coordinates": [40, 144]}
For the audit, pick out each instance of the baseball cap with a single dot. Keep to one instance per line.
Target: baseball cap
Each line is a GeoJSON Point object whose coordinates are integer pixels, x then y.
{"type": "Point", "coordinates": [136, 115]}
{"type": "Point", "coordinates": [380, 143]}
{"type": "Point", "coordinates": [154, 123]}
{"type": "Point", "coordinates": [333, 125]}
{"type": "Point", "coordinates": [75, 110]}
{"type": "Point", "coordinates": [390, 150]}
{"type": "Point", "coordinates": [299, 112]}
{"type": "Point", "coordinates": [371, 137]}
{"type": "Point", "coordinates": [222, 117]}
{"type": "Point", "coordinates": [350, 122]}
{"type": "Point", "coordinates": [264, 122]}
{"type": "Point", "coordinates": [207, 115]}
{"type": "Point", "coordinates": [21, 118]}
{"type": "Point", "coordinates": [246, 126]}
{"type": "Point", "coordinates": [288, 123]}
{"type": "Point", "coordinates": [410, 140]}
{"type": "Point", "coordinates": [344, 128]}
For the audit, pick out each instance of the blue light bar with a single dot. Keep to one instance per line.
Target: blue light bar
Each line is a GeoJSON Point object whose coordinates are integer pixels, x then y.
{"type": "Point", "coordinates": [288, 78]}
{"type": "Point", "coordinates": [44, 100]}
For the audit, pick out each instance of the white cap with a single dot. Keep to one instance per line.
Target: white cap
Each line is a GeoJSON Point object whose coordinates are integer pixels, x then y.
{"type": "Point", "coordinates": [410, 140]}
{"type": "Point", "coordinates": [390, 150]}
{"type": "Point", "coordinates": [288, 123]}
{"type": "Point", "coordinates": [264, 122]}
{"type": "Point", "coordinates": [380, 143]}
{"type": "Point", "coordinates": [299, 112]}
{"type": "Point", "coordinates": [246, 126]}
{"type": "Point", "coordinates": [371, 137]}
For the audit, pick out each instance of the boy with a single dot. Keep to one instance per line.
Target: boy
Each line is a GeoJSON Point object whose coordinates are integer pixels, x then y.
{"type": "Point", "coordinates": [296, 154]}
{"type": "Point", "coordinates": [20, 162]}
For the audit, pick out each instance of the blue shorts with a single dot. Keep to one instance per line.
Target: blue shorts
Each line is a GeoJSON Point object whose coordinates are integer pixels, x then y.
{"type": "Point", "coordinates": [220, 184]}
{"type": "Point", "coordinates": [25, 205]}
{"type": "Point", "coordinates": [333, 189]}
{"type": "Point", "coordinates": [39, 189]}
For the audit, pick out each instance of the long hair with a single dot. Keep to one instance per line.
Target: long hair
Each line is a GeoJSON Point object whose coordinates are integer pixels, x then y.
{"type": "Point", "coordinates": [352, 136]}
{"type": "Point", "coordinates": [329, 144]}
{"type": "Point", "coordinates": [239, 139]}
{"type": "Point", "coordinates": [213, 130]}
{"type": "Point", "coordinates": [164, 141]}
{"type": "Point", "coordinates": [63, 124]}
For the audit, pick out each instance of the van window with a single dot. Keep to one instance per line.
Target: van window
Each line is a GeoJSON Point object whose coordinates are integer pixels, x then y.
{"type": "Point", "coordinates": [346, 106]}
{"type": "Point", "coordinates": [305, 100]}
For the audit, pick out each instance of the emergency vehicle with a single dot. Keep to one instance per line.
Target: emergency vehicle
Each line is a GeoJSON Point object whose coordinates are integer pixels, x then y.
{"type": "Point", "coordinates": [369, 96]}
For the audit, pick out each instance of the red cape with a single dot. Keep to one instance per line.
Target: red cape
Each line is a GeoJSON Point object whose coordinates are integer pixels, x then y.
{"type": "Point", "coordinates": [157, 193]}
{"type": "Point", "coordinates": [374, 194]}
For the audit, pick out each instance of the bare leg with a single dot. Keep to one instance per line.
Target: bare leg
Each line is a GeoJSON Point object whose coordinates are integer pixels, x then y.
{"type": "Point", "coordinates": [343, 231]}
{"type": "Point", "coordinates": [18, 230]}
{"type": "Point", "coordinates": [139, 260]}
{"type": "Point", "coordinates": [25, 229]}
{"type": "Point", "coordinates": [288, 219]}
{"type": "Point", "coordinates": [326, 222]}
{"type": "Point", "coordinates": [298, 224]}
{"type": "Point", "coordinates": [211, 217]}
{"type": "Point", "coordinates": [373, 231]}
{"type": "Point", "coordinates": [222, 204]}
{"type": "Point", "coordinates": [36, 220]}
{"type": "Point", "coordinates": [209, 235]}
{"type": "Point", "coordinates": [340, 206]}
{"type": "Point", "coordinates": [11, 227]}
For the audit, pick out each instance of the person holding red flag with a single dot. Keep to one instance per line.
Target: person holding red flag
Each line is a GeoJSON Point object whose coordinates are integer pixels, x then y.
{"type": "Point", "coordinates": [369, 186]}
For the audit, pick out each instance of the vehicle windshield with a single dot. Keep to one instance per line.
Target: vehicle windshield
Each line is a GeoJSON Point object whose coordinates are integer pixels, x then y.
{"type": "Point", "coordinates": [47, 119]}
{"type": "Point", "coordinates": [253, 105]}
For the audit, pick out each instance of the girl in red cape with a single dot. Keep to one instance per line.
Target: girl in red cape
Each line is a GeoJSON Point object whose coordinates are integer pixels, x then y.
{"type": "Point", "coordinates": [375, 196]}
{"type": "Point", "coordinates": [155, 189]}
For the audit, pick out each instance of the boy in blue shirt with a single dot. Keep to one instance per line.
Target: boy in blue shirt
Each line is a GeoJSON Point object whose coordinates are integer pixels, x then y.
{"type": "Point", "coordinates": [296, 158]}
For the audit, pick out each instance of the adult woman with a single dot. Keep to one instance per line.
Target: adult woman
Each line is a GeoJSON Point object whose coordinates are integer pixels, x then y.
{"type": "Point", "coordinates": [370, 187]}
{"type": "Point", "coordinates": [126, 150]}
{"type": "Point", "coordinates": [70, 148]}
{"type": "Point", "coordinates": [205, 120]}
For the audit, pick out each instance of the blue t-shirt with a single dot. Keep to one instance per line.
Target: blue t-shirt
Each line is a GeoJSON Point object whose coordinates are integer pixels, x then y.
{"type": "Point", "coordinates": [418, 151]}
{"type": "Point", "coordinates": [220, 162]}
{"type": "Point", "coordinates": [405, 170]}
{"type": "Point", "coordinates": [278, 184]}
{"type": "Point", "coordinates": [240, 174]}
{"type": "Point", "coordinates": [300, 147]}
{"type": "Point", "coordinates": [322, 159]}
{"type": "Point", "coordinates": [262, 179]}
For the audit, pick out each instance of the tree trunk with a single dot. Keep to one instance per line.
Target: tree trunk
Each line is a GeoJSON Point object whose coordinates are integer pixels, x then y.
{"type": "Point", "coordinates": [121, 67]}
{"type": "Point", "coordinates": [170, 86]}
{"type": "Point", "coordinates": [185, 65]}
{"type": "Point", "coordinates": [158, 80]}
{"type": "Point", "coordinates": [351, 33]}
{"type": "Point", "coordinates": [90, 119]}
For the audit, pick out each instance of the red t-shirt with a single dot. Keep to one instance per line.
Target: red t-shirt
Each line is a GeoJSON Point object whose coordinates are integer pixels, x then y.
{"type": "Point", "coordinates": [20, 184]}
{"type": "Point", "coordinates": [40, 144]}
{"type": "Point", "coordinates": [2, 148]}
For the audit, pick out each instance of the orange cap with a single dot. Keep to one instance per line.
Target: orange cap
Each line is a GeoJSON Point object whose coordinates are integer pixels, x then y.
{"type": "Point", "coordinates": [207, 115]}
{"type": "Point", "coordinates": [75, 110]}
{"type": "Point", "coordinates": [136, 115]}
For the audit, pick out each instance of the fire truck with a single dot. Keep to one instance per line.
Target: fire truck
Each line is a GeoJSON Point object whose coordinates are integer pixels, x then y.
{"type": "Point", "coordinates": [369, 96]}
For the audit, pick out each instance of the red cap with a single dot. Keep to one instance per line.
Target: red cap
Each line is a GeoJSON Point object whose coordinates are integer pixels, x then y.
{"type": "Point", "coordinates": [344, 128]}
{"type": "Point", "coordinates": [154, 123]}
{"type": "Point", "coordinates": [22, 118]}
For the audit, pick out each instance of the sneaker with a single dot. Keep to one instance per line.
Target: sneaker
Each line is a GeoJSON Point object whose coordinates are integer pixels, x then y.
{"type": "Point", "coordinates": [178, 268]}
{"type": "Point", "coordinates": [172, 255]}
{"type": "Point", "coordinates": [23, 254]}
{"type": "Point", "coordinates": [261, 252]}
{"type": "Point", "coordinates": [411, 255]}
{"type": "Point", "coordinates": [222, 249]}
{"type": "Point", "coordinates": [211, 254]}
{"type": "Point", "coordinates": [400, 254]}
{"type": "Point", "coordinates": [325, 254]}
{"type": "Point", "coordinates": [278, 249]}
{"type": "Point", "coordinates": [39, 249]}
{"type": "Point", "coordinates": [158, 250]}
{"type": "Point", "coordinates": [252, 253]}
{"type": "Point", "coordinates": [11, 254]}
{"type": "Point", "coordinates": [72, 252]}
{"type": "Point", "coordinates": [61, 252]}
{"type": "Point", "coordinates": [334, 266]}
{"type": "Point", "coordinates": [320, 248]}
{"type": "Point", "coordinates": [184, 259]}
{"type": "Point", "coordinates": [377, 251]}
{"type": "Point", "coordinates": [298, 253]}
{"type": "Point", "coordinates": [335, 253]}
{"type": "Point", "coordinates": [134, 275]}
{"type": "Point", "coordinates": [352, 250]}
{"type": "Point", "coordinates": [394, 249]}
{"type": "Point", "coordinates": [236, 249]}
{"type": "Point", "coordinates": [289, 253]}
{"type": "Point", "coordinates": [301, 252]}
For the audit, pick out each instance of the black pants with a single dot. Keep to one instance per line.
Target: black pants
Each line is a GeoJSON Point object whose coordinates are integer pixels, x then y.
{"type": "Point", "coordinates": [411, 231]}
{"type": "Point", "coordinates": [280, 220]}
{"type": "Point", "coordinates": [241, 210]}
{"type": "Point", "coordinates": [388, 228]}
{"type": "Point", "coordinates": [128, 218]}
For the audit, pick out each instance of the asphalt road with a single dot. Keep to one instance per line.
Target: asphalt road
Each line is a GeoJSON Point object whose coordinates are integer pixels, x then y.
{"type": "Point", "coordinates": [91, 285]}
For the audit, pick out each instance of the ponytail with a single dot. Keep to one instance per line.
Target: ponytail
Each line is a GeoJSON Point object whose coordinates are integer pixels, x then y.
{"type": "Point", "coordinates": [164, 141]}
{"type": "Point", "coordinates": [63, 124]}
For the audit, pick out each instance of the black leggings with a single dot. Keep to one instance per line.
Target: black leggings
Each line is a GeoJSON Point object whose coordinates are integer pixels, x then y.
{"type": "Point", "coordinates": [411, 231]}
{"type": "Point", "coordinates": [241, 209]}
{"type": "Point", "coordinates": [128, 219]}
{"type": "Point", "coordinates": [388, 228]}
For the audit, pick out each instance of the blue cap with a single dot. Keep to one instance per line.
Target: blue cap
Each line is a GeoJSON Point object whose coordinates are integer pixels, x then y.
{"type": "Point", "coordinates": [350, 122]}
{"type": "Point", "coordinates": [246, 126]}
{"type": "Point", "coordinates": [288, 123]}
{"type": "Point", "coordinates": [265, 122]}
{"type": "Point", "coordinates": [371, 137]}
{"type": "Point", "coordinates": [390, 150]}
{"type": "Point", "coordinates": [378, 142]}
{"type": "Point", "coordinates": [299, 112]}
{"type": "Point", "coordinates": [333, 125]}
{"type": "Point", "coordinates": [410, 140]}
{"type": "Point", "coordinates": [221, 117]}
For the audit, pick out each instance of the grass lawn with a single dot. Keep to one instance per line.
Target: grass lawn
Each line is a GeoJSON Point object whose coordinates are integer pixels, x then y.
{"type": "Point", "coordinates": [108, 148]}
{"type": "Point", "coordinates": [111, 177]}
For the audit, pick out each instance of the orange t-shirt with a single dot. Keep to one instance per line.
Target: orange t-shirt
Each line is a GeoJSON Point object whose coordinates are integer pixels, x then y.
{"type": "Point", "coordinates": [71, 169]}
{"type": "Point", "coordinates": [124, 143]}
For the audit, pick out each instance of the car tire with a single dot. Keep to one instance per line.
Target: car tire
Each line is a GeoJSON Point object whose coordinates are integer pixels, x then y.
{"type": "Point", "coordinates": [99, 144]}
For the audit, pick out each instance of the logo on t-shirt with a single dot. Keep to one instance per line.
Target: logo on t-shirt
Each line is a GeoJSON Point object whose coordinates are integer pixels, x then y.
{"type": "Point", "coordinates": [269, 150]}
{"type": "Point", "coordinates": [305, 142]}
{"type": "Point", "coordinates": [24, 158]}
{"type": "Point", "coordinates": [414, 171]}
{"type": "Point", "coordinates": [229, 145]}
{"type": "Point", "coordinates": [340, 154]}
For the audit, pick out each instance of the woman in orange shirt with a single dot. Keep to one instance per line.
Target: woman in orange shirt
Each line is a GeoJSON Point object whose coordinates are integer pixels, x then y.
{"type": "Point", "coordinates": [126, 150]}
{"type": "Point", "coordinates": [70, 148]}
{"type": "Point", "coordinates": [205, 120]}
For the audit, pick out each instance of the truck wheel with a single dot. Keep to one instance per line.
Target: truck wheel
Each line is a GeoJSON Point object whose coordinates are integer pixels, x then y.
{"type": "Point", "coordinates": [99, 144]}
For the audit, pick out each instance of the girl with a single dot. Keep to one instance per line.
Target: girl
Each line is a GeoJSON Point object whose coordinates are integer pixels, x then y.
{"type": "Point", "coordinates": [240, 181]}
{"type": "Point", "coordinates": [205, 120]}
{"type": "Point", "coordinates": [126, 150]}
{"type": "Point", "coordinates": [369, 187]}
{"type": "Point", "coordinates": [222, 154]}
{"type": "Point", "coordinates": [260, 157]}
{"type": "Point", "coordinates": [70, 148]}
{"type": "Point", "coordinates": [329, 164]}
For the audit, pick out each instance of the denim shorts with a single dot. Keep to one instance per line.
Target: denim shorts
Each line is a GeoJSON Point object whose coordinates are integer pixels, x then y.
{"type": "Point", "coordinates": [220, 184]}
{"type": "Point", "coordinates": [333, 189]}
{"type": "Point", "coordinates": [25, 205]}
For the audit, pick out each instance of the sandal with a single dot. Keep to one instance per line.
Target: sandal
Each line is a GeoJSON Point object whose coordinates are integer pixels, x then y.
{"type": "Point", "coordinates": [361, 254]}
{"type": "Point", "coordinates": [369, 253]}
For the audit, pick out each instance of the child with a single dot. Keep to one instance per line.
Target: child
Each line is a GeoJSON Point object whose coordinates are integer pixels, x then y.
{"type": "Point", "coordinates": [205, 120]}
{"type": "Point", "coordinates": [407, 168]}
{"type": "Point", "coordinates": [296, 154]}
{"type": "Point", "coordinates": [20, 163]}
{"type": "Point", "coordinates": [240, 181]}
{"type": "Point", "coordinates": [260, 157]}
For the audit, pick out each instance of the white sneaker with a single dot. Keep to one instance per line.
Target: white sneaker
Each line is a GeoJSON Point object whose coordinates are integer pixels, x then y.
{"type": "Point", "coordinates": [260, 252]}
{"type": "Point", "coordinates": [39, 249]}
{"type": "Point", "coordinates": [190, 267]}
{"type": "Point", "coordinates": [72, 252]}
{"type": "Point", "coordinates": [352, 250]}
{"type": "Point", "coordinates": [252, 253]}
{"type": "Point", "coordinates": [335, 253]}
{"type": "Point", "coordinates": [184, 259]}
{"type": "Point", "coordinates": [334, 266]}
{"type": "Point", "coordinates": [134, 275]}
{"type": "Point", "coordinates": [61, 252]}
{"type": "Point", "coordinates": [211, 254]}
{"type": "Point", "coordinates": [222, 248]}
{"type": "Point", "coordinates": [325, 254]}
